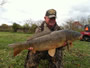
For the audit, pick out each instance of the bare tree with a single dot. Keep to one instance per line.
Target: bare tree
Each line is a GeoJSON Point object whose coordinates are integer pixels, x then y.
{"type": "Point", "coordinates": [89, 19]}
{"type": "Point", "coordinates": [68, 24]}
{"type": "Point", "coordinates": [83, 20]}
{"type": "Point", "coordinates": [30, 22]}
{"type": "Point", "coordinates": [38, 23]}
{"type": "Point", "coordinates": [31, 25]}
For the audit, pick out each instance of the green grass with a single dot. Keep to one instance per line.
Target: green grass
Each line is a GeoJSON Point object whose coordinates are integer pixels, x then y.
{"type": "Point", "coordinates": [6, 58]}
{"type": "Point", "coordinates": [77, 57]}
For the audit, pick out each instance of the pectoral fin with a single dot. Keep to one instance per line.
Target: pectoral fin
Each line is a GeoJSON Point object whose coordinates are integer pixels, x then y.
{"type": "Point", "coordinates": [51, 52]}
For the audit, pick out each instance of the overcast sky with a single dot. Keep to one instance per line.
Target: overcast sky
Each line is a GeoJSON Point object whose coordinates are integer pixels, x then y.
{"type": "Point", "coordinates": [20, 10]}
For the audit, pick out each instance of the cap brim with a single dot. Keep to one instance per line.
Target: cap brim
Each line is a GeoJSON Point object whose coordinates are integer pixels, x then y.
{"type": "Point", "coordinates": [51, 16]}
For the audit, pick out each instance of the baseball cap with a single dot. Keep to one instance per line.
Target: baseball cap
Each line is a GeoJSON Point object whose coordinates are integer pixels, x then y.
{"type": "Point", "coordinates": [51, 13]}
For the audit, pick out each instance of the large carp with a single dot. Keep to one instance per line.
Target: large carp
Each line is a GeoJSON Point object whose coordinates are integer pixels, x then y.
{"type": "Point", "coordinates": [49, 41]}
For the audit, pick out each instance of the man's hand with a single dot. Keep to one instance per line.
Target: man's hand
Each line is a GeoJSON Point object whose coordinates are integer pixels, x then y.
{"type": "Point", "coordinates": [65, 44]}
{"type": "Point", "coordinates": [31, 48]}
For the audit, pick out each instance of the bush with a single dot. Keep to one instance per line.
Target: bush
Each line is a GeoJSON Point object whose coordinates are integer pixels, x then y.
{"type": "Point", "coordinates": [15, 27]}
{"type": "Point", "coordinates": [5, 28]}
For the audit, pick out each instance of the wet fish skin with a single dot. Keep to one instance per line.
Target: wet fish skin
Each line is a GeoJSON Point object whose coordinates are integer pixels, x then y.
{"type": "Point", "coordinates": [48, 42]}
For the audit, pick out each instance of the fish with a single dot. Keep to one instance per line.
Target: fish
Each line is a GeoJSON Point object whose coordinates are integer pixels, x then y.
{"type": "Point", "coordinates": [47, 42]}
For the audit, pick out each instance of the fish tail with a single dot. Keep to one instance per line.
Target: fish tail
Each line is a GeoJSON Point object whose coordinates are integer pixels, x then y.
{"type": "Point", "coordinates": [16, 51]}
{"type": "Point", "coordinates": [17, 47]}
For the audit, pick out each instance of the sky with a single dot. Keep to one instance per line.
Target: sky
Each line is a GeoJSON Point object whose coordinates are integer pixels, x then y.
{"type": "Point", "coordinates": [21, 10]}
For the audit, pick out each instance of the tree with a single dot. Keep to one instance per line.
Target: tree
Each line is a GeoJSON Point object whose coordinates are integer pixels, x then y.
{"type": "Point", "coordinates": [30, 25]}
{"type": "Point", "coordinates": [26, 27]}
{"type": "Point", "coordinates": [89, 19]}
{"type": "Point", "coordinates": [4, 26]}
{"type": "Point", "coordinates": [68, 24]}
{"type": "Point", "coordinates": [33, 28]}
{"type": "Point", "coordinates": [73, 25]}
{"type": "Point", "coordinates": [15, 27]}
{"type": "Point", "coordinates": [83, 20]}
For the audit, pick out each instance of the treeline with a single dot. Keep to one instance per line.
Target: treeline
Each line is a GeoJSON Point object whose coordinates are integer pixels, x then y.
{"type": "Point", "coordinates": [30, 28]}
{"type": "Point", "coordinates": [5, 28]}
{"type": "Point", "coordinates": [18, 28]}
{"type": "Point", "coordinates": [26, 28]}
{"type": "Point", "coordinates": [30, 25]}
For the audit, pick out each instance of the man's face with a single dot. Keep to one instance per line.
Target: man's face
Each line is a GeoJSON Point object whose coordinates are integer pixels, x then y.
{"type": "Point", "coordinates": [50, 21]}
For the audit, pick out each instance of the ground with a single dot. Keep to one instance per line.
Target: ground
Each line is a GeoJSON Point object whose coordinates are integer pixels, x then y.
{"type": "Point", "coordinates": [77, 57]}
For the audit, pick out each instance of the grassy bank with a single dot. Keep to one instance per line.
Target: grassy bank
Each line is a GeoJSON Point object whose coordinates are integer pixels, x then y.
{"type": "Point", "coordinates": [77, 57]}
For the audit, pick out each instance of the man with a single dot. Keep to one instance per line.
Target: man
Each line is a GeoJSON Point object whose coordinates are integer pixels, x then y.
{"type": "Point", "coordinates": [32, 60]}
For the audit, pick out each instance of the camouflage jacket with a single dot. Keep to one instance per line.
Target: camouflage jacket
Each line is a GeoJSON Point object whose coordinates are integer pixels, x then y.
{"type": "Point", "coordinates": [44, 25]}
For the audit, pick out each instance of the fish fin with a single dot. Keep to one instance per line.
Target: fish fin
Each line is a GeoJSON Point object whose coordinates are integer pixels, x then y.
{"type": "Point", "coordinates": [51, 52]}
{"type": "Point", "coordinates": [16, 51]}
{"type": "Point", "coordinates": [16, 48]}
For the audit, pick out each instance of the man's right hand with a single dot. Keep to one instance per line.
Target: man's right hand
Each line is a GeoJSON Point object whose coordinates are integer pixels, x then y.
{"type": "Point", "coordinates": [31, 48]}
{"type": "Point", "coordinates": [65, 44]}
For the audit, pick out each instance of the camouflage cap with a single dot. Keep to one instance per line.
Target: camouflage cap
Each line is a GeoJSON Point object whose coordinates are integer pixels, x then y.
{"type": "Point", "coordinates": [51, 13]}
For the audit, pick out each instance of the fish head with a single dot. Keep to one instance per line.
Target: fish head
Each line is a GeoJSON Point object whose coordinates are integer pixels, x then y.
{"type": "Point", "coordinates": [73, 35]}
{"type": "Point", "coordinates": [76, 36]}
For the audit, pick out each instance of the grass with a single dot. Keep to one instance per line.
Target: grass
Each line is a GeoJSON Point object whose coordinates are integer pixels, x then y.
{"type": "Point", "coordinates": [6, 59]}
{"type": "Point", "coordinates": [77, 57]}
